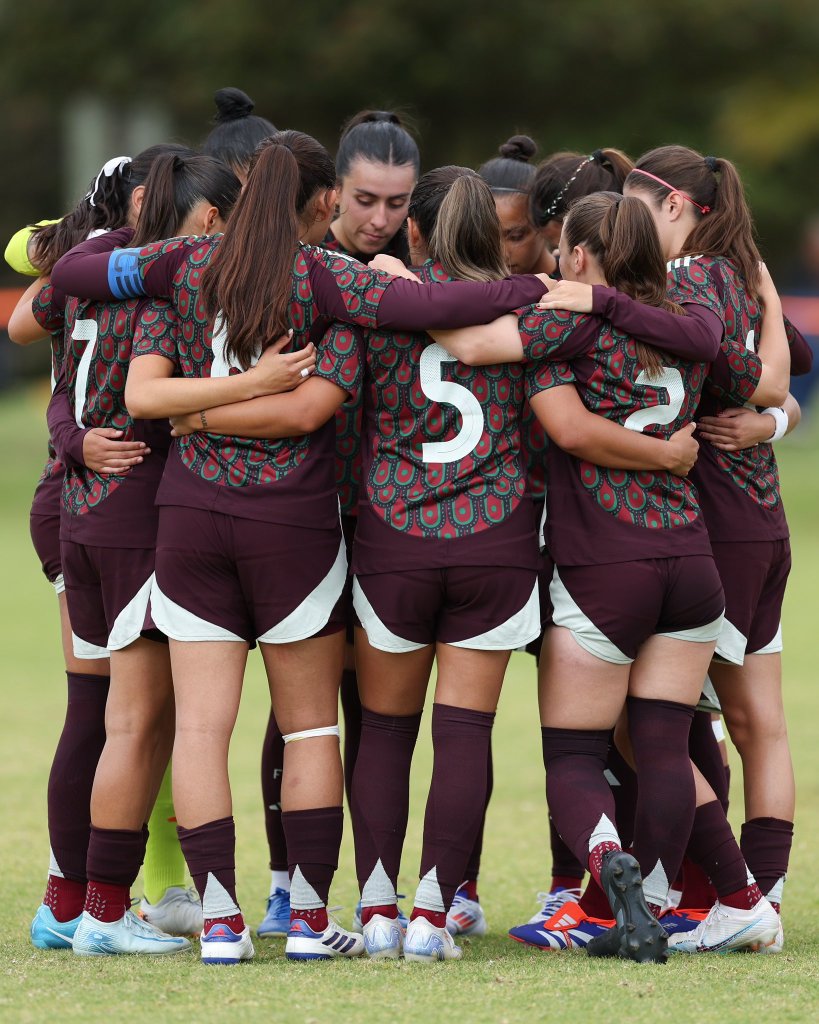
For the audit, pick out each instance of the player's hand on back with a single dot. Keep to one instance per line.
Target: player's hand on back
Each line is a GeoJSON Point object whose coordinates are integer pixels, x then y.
{"type": "Point", "coordinates": [735, 429]}
{"type": "Point", "coordinates": [392, 265]}
{"type": "Point", "coordinates": [278, 371]}
{"type": "Point", "coordinates": [682, 450]}
{"type": "Point", "coordinates": [104, 452]}
{"type": "Point", "coordinates": [569, 295]}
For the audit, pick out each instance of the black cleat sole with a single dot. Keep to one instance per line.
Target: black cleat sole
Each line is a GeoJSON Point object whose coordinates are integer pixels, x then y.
{"type": "Point", "coordinates": [637, 935]}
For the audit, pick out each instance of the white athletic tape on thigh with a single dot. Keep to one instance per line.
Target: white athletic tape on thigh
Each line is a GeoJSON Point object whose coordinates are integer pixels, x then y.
{"type": "Point", "coordinates": [59, 584]}
{"type": "Point", "coordinates": [718, 729]}
{"type": "Point", "coordinates": [309, 734]}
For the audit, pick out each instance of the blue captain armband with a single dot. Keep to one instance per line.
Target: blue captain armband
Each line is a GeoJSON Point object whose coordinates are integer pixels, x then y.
{"type": "Point", "coordinates": [123, 274]}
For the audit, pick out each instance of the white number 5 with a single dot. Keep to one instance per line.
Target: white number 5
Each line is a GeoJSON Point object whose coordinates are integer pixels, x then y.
{"type": "Point", "coordinates": [656, 415]}
{"type": "Point", "coordinates": [448, 393]}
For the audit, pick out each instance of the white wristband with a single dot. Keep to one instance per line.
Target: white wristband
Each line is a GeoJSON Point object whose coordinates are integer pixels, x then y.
{"type": "Point", "coordinates": [781, 420]}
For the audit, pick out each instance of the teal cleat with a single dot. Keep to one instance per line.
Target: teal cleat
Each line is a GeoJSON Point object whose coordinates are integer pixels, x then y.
{"type": "Point", "coordinates": [49, 933]}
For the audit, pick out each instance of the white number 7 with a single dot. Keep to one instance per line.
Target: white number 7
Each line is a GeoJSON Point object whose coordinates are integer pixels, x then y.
{"type": "Point", "coordinates": [449, 393]}
{"type": "Point", "coordinates": [84, 330]}
{"type": "Point", "coordinates": [666, 412]}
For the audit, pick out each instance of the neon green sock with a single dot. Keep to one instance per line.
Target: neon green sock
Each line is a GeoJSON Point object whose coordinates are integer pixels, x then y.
{"type": "Point", "coordinates": [164, 864]}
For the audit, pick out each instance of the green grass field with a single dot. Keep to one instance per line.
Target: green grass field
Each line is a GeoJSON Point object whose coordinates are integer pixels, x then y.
{"type": "Point", "coordinates": [498, 980]}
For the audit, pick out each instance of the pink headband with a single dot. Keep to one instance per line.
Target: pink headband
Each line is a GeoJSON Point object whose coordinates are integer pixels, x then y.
{"type": "Point", "coordinates": [702, 209]}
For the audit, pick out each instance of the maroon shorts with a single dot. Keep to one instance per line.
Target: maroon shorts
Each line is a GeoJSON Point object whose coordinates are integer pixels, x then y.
{"type": "Point", "coordinates": [544, 578]}
{"type": "Point", "coordinates": [44, 523]}
{"type": "Point", "coordinates": [612, 610]}
{"type": "Point", "coordinates": [754, 575]}
{"type": "Point", "coordinates": [492, 608]}
{"type": "Point", "coordinates": [219, 577]}
{"type": "Point", "coordinates": [348, 525]}
{"type": "Point", "coordinates": [108, 592]}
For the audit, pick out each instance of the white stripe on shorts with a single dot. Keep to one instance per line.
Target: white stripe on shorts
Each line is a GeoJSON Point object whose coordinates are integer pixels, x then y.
{"type": "Point", "coordinates": [706, 634]}
{"type": "Point", "coordinates": [731, 644]}
{"type": "Point", "coordinates": [315, 610]}
{"type": "Point", "coordinates": [128, 624]}
{"type": "Point", "coordinates": [569, 614]}
{"type": "Point", "coordinates": [85, 651]}
{"type": "Point", "coordinates": [178, 623]}
{"type": "Point", "coordinates": [520, 629]}
{"type": "Point", "coordinates": [378, 635]}
{"type": "Point", "coordinates": [59, 584]}
{"type": "Point", "coordinates": [774, 646]}
{"type": "Point", "coordinates": [709, 701]}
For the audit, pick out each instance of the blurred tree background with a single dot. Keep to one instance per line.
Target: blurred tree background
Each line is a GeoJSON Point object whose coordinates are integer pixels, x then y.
{"type": "Point", "coordinates": [736, 78]}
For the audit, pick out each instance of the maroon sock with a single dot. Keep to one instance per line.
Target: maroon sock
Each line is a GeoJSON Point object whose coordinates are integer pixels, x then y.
{"type": "Point", "coordinates": [473, 865]}
{"type": "Point", "coordinates": [313, 841]}
{"type": "Point", "coordinates": [623, 781]}
{"type": "Point", "coordinates": [435, 917]}
{"type": "Point", "coordinates": [666, 796]}
{"type": "Point", "coordinates": [567, 871]}
{"type": "Point", "coordinates": [380, 797]}
{"type": "Point", "coordinates": [766, 846]}
{"type": "Point", "coordinates": [594, 902]}
{"type": "Point", "coordinates": [272, 769]}
{"type": "Point", "coordinates": [577, 792]}
{"type": "Point", "coordinates": [114, 859]}
{"type": "Point", "coordinates": [456, 802]}
{"type": "Point", "coordinates": [704, 750]}
{"type": "Point", "coordinates": [697, 891]}
{"type": "Point", "coordinates": [210, 853]}
{"type": "Point", "coordinates": [64, 897]}
{"type": "Point", "coordinates": [351, 709]}
{"type": "Point", "coordinates": [388, 910]}
{"type": "Point", "coordinates": [72, 773]}
{"type": "Point", "coordinates": [712, 845]}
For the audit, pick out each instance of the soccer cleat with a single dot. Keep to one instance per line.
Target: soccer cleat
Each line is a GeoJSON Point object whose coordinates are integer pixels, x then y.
{"type": "Point", "coordinates": [383, 938]}
{"type": "Point", "coordinates": [675, 922]}
{"type": "Point", "coordinates": [426, 944]}
{"type": "Point", "coordinates": [305, 944]}
{"type": "Point", "coordinates": [222, 945]}
{"type": "Point", "coordinates": [551, 902]}
{"type": "Point", "coordinates": [179, 912]}
{"type": "Point", "coordinates": [277, 919]}
{"type": "Point", "coordinates": [778, 942]}
{"type": "Point", "coordinates": [49, 933]}
{"type": "Point", "coordinates": [129, 934]}
{"type": "Point", "coordinates": [726, 929]}
{"type": "Point", "coordinates": [637, 934]}
{"type": "Point", "coordinates": [466, 916]}
{"type": "Point", "coordinates": [357, 926]}
{"type": "Point", "coordinates": [569, 927]}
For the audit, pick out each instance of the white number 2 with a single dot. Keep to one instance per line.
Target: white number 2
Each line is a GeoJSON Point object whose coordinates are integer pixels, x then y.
{"type": "Point", "coordinates": [448, 393]}
{"type": "Point", "coordinates": [84, 330]}
{"type": "Point", "coordinates": [657, 415]}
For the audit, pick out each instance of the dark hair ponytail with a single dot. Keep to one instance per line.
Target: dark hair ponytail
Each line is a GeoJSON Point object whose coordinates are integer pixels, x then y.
{"type": "Point", "coordinates": [111, 194]}
{"type": "Point", "coordinates": [238, 130]}
{"type": "Point", "coordinates": [621, 234]}
{"type": "Point", "coordinates": [727, 229]}
{"type": "Point", "coordinates": [378, 136]}
{"type": "Point", "coordinates": [249, 278]}
{"type": "Point", "coordinates": [564, 177]}
{"type": "Point", "coordinates": [511, 171]}
{"type": "Point", "coordinates": [455, 213]}
{"type": "Point", "coordinates": [174, 186]}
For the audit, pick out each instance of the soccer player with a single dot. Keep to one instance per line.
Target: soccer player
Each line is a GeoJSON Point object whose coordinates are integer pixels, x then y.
{"type": "Point", "coordinates": [114, 198]}
{"type": "Point", "coordinates": [705, 227]}
{"type": "Point", "coordinates": [284, 594]}
{"type": "Point", "coordinates": [237, 131]}
{"type": "Point", "coordinates": [108, 538]}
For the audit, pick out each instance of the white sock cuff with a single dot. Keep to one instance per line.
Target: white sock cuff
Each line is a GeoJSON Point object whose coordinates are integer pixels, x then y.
{"type": "Point", "coordinates": [309, 734]}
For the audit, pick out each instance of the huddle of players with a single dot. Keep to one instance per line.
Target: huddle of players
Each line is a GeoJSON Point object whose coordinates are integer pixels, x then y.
{"type": "Point", "coordinates": [226, 534]}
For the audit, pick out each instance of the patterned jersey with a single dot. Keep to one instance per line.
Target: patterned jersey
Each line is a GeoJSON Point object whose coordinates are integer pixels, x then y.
{"type": "Point", "coordinates": [443, 480]}
{"type": "Point", "coordinates": [111, 510]}
{"type": "Point", "coordinates": [50, 315]}
{"type": "Point", "coordinates": [288, 480]}
{"type": "Point", "coordinates": [597, 515]}
{"type": "Point", "coordinates": [739, 491]}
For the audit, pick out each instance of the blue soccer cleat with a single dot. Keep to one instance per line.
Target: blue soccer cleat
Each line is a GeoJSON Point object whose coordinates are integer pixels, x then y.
{"type": "Point", "coordinates": [277, 919]}
{"type": "Point", "coordinates": [222, 945]}
{"type": "Point", "coordinates": [49, 933]}
{"type": "Point", "coordinates": [569, 927]}
{"type": "Point", "coordinates": [128, 935]}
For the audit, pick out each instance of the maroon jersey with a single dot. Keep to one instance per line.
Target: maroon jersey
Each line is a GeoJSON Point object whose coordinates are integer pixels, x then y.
{"type": "Point", "coordinates": [739, 491]}
{"type": "Point", "coordinates": [50, 316]}
{"type": "Point", "coordinates": [288, 481]}
{"type": "Point", "coordinates": [106, 510]}
{"type": "Point", "coordinates": [596, 515]}
{"type": "Point", "coordinates": [443, 481]}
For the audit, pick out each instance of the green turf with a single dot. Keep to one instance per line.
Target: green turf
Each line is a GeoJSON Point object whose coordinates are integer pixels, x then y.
{"type": "Point", "coordinates": [498, 980]}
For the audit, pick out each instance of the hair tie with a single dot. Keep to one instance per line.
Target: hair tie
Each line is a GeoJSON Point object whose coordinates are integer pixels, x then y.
{"type": "Point", "coordinates": [661, 181]}
{"type": "Point", "coordinates": [108, 170]}
{"type": "Point", "coordinates": [551, 209]}
{"type": "Point", "coordinates": [599, 156]}
{"type": "Point", "coordinates": [711, 163]}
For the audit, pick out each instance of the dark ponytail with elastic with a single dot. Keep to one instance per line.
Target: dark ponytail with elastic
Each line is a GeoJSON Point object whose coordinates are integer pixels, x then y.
{"type": "Point", "coordinates": [111, 207]}
{"type": "Point", "coordinates": [564, 177]}
{"type": "Point", "coordinates": [174, 186]}
{"type": "Point", "coordinates": [238, 131]}
{"type": "Point", "coordinates": [727, 229]}
{"type": "Point", "coordinates": [512, 170]}
{"type": "Point", "coordinates": [620, 233]}
{"type": "Point", "coordinates": [248, 281]}
{"type": "Point", "coordinates": [465, 237]}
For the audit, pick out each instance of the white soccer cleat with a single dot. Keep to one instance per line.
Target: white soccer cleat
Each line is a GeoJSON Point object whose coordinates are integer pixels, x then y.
{"type": "Point", "coordinates": [222, 945]}
{"type": "Point", "coordinates": [726, 929]}
{"type": "Point", "coordinates": [551, 902]}
{"type": "Point", "coordinates": [465, 917]}
{"type": "Point", "coordinates": [179, 912]}
{"type": "Point", "coordinates": [426, 944]}
{"type": "Point", "coordinates": [305, 944]}
{"type": "Point", "coordinates": [128, 935]}
{"type": "Point", "coordinates": [383, 938]}
{"type": "Point", "coordinates": [777, 944]}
